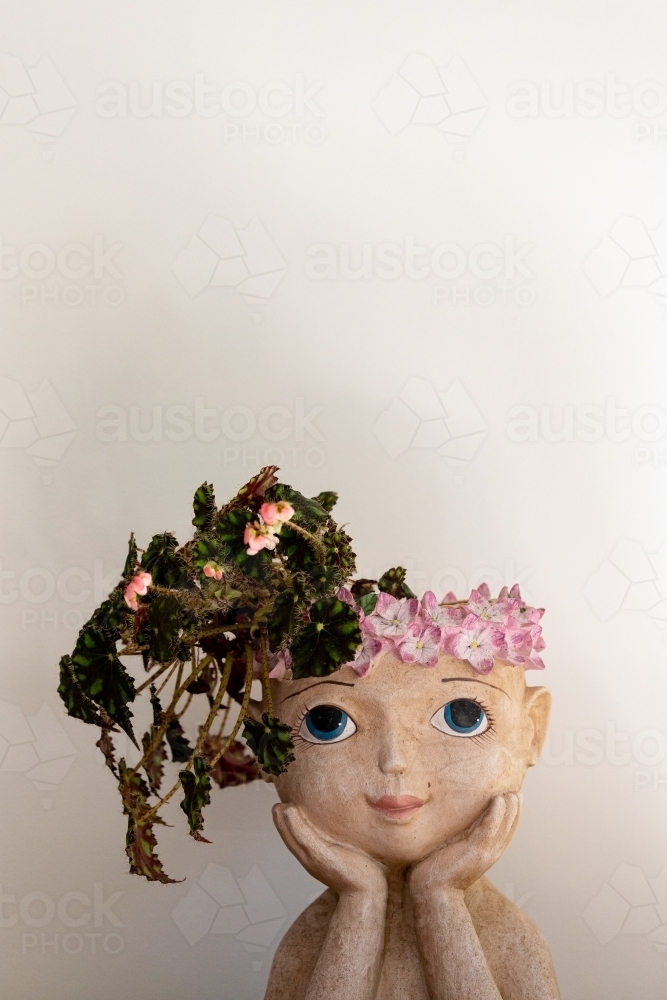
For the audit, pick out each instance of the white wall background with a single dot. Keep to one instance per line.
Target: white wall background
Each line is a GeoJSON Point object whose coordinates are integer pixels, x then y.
{"type": "Point", "coordinates": [549, 298]}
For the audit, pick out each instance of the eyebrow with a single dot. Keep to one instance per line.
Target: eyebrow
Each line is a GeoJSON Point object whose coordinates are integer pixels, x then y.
{"type": "Point", "coordinates": [473, 680]}
{"type": "Point", "coordinates": [347, 684]}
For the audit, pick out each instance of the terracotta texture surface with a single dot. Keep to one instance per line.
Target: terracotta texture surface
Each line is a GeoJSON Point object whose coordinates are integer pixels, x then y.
{"type": "Point", "coordinates": [401, 817]}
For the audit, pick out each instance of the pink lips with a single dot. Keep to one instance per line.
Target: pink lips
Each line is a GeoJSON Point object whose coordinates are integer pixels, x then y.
{"type": "Point", "coordinates": [398, 806]}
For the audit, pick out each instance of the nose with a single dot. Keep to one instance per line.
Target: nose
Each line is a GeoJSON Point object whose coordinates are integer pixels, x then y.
{"type": "Point", "coordinates": [392, 757]}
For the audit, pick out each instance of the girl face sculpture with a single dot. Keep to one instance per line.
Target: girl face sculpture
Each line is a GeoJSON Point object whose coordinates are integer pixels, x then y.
{"type": "Point", "coordinates": [401, 761]}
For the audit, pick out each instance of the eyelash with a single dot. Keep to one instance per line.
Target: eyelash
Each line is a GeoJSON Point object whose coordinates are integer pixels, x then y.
{"type": "Point", "coordinates": [296, 731]}
{"type": "Point", "coordinates": [481, 738]}
{"type": "Point", "coordinates": [490, 729]}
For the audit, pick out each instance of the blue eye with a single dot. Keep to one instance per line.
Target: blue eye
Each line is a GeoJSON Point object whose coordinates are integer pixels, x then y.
{"type": "Point", "coordinates": [462, 717]}
{"type": "Point", "coordinates": [326, 724]}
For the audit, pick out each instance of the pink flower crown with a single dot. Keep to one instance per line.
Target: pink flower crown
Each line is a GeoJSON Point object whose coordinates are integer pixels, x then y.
{"type": "Point", "coordinates": [477, 630]}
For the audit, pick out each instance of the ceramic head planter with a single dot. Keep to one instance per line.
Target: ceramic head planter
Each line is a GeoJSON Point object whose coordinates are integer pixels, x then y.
{"type": "Point", "coordinates": [397, 730]}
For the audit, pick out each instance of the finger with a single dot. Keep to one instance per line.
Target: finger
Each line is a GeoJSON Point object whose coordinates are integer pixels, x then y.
{"type": "Point", "coordinates": [292, 844]}
{"type": "Point", "coordinates": [513, 814]}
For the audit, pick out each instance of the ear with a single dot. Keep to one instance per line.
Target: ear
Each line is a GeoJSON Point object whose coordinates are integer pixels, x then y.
{"type": "Point", "coordinates": [537, 704]}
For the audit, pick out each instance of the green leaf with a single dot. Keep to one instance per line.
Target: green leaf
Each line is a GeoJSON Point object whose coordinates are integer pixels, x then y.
{"type": "Point", "coordinates": [164, 564]}
{"type": "Point", "coordinates": [327, 499]}
{"type": "Point", "coordinates": [140, 842]}
{"type": "Point", "coordinates": [308, 513]}
{"type": "Point", "coordinates": [77, 704]}
{"type": "Point", "coordinates": [204, 508]}
{"type": "Point", "coordinates": [111, 616]}
{"type": "Point", "coordinates": [181, 751]}
{"type": "Point", "coordinates": [284, 618]}
{"type": "Point", "coordinates": [153, 764]}
{"type": "Point", "coordinates": [271, 742]}
{"type": "Point", "coordinates": [329, 641]}
{"type": "Point", "coordinates": [165, 619]}
{"type": "Point", "coordinates": [231, 528]}
{"type": "Point", "coordinates": [197, 788]}
{"type": "Point", "coordinates": [255, 489]}
{"type": "Point", "coordinates": [131, 561]}
{"type": "Point", "coordinates": [339, 556]}
{"type": "Point", "coordinates": [393, 582]}
{"type": "Point", "coordinates": [301, 557]}
{"type": "Point", "coordinates": [367, 602]}
{"type": "Point", "coordinates": [209, 548]}
{"type": "Point", "coordinates": [103, 677]}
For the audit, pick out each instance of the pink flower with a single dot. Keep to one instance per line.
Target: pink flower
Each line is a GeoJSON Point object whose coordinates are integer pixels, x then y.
{"type": "Point", "coordinates": [434, 614]}
{"type": "Point", "coordinates": [476, 641]}
{"type": "Point", "coordinates": [257, 537]}
{"type": "Point", "coordinates": [370, 648]}
{"type": "Point", "coordinates": [450, 598]}
{"type": "Point", "coordinates": [420, 645]}
{"type": "Point", "coordinates": [483, 589]}
{"type": "Point", "coordinates": [392, 617]}
{"type": "Point", "coordinates": [276, 513]}
{"type": "Point", "coordinates": [479, 605]}
{"type": "Point", "coordinates": [280, 663]}
{"type": "Point", "coordinates": [519, 645]}
{"type": "Point", "coordinates": [343, 594]}
{"type": "Point", "coordinates": [211, 569]}
{"type": "Point", "coordinates": [139, 584]}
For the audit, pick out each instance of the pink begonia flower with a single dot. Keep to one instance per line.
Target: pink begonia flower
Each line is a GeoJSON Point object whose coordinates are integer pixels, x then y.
{"type": "Point", "coordinates": [484, 609]}
{"type": "Point", "coordinates": [519, 646]}
{"type": "Point", "coordinates": [369, 650]}
{"type": "Point", "coordinates": [257, 537]}
{"type": "Point", "coordinates": [420, 645]}
{"type": "Point", "coordinates": [343, 594]}
{"type": "Point", "coordinates": [276, 513]}
{"type": "Point", "coordinates": [139, 584]}
{"type": "Point", "coordinates": [434, 614]}
{"type": "Point", "coordinates": [392, 617]}
{"type": "Point", "coordinates": [211, 569]}
{"type": "Point", "coordinates": [483, 589]}
{"type": "Point", "coordinates": [476, 641]}
{"type": "Point", "coordinates": [450, 598]}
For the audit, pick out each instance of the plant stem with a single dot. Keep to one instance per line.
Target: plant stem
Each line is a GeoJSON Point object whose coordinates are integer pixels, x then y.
{"type": "Point", "coordinates": [154, 677]}
{"type": "Point", "coordinates": [242, 714]}
{"type": "Point", "coordinates": [315, 542]}
{"type": "Point", "coordinates": [169, 714]}
{"type": "Point", "coordinates": [204, 732]}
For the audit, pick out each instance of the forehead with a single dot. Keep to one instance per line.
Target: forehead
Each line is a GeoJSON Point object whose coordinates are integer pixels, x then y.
{"type": "Point", "coordinates": [393, 680]}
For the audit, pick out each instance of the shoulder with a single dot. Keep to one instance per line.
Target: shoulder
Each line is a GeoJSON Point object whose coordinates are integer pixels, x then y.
{"type": "Point", "coordinates": [514, 947]}
{"type": "Point", "coordinates": [297, 953]}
